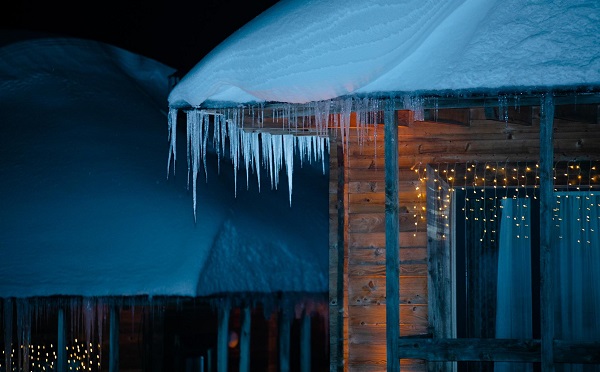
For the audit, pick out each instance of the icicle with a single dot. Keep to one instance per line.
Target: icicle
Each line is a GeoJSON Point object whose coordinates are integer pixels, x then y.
{"type": "Point", "coordinates": [322, 116]}
{"type": "Point", "coordinates": [89, 316]}
{"type": "Point", "coordinates": [277, 143]}
{"type": "Point", "coordinates": [503, 108]}
{"type": "Point", "coordinates": [256, 156]}
{"type": "Point", "coordinates": [172, 138]}
{"type": "Point", "coordinates": [246, 150]}
{"type": "Point", "coordinates": [345, 123]}
{"type": "Point", "coordinates": [205, 125]}
{"type": "Point", "coordinates": [223, 125]}
{"type": "Point", "coordinates": [415, 104]}
{"type": "Point", "coordinates": [189, 131]}
{"type": "Point", "coordinates": [194, 120]}
{"type": "Point", "coordinates": [267, 152]}
{"type": "Point", "coordinates": [324, 147]}
{"type": "Point", "coordinates": [101, 315]}
{"type": "Point", "coordinates": [378, 104]}
{"type": "Point", "coordinates": [288, 145]}
{"type": "Point", "coordinates": [23, 332]}
{"type": "Point", "coordinates": [8, 332]}
{"type": "Point", "coordinates": [234, 148]}
{"type": "Point", "coordinates": [217, 141]}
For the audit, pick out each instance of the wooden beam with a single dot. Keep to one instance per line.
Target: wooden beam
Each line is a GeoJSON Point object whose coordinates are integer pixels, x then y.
{"type": "Point", "coordinates": [392, 271]}
{"type": "Point", "coordinates": [546, 254]}
{"type": "Point", "coordinates": [431, 101]}
{"type": "Point", "coordinates": [115, 320]}
{"type": "Point", "coordinates": [576, 352]}
{"type": "Point", "coordinates": [245, 339]}
{"type": "Point", "coordinates": [469, 349]}
{"type": "Point", "coordinates": [579, 113]}
{"type": "Point", "coordinates": [458, 116]}
{"type": "Point", "coordinates": [498, 350]}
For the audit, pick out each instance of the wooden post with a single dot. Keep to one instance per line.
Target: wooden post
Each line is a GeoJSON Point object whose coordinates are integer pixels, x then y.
{"type": "Point", "coordinates": [222, 337]}
{"type": "Point", "coordinates": [440, 269]}
{"type": "Point", "coordinates": [245, 339]}
{"type": "Point", "coordinates": [209, 360]}
{"type": "Point", "coordinates": [272, 342]}
{"type": "Point", "coordinates": [115, 320]}
{"type": "Point", "coordinates": [546, 259]}
{"type": "Point", "coordinates": [305, 343]}
{"type": "Point", "coordinates": [61, 354]}
{"type": "Point", "coordinates": [339, 312]}
{"type": "Point", "coordinates": [392, 269]}
{"type": "Point", "coordinates": [284, 339]}
{"type": "Point", "coordinates": [8, 332]}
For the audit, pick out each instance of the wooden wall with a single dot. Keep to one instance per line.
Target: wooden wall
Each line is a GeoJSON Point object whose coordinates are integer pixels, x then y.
{"type": "Point", "coordinates": [357, 215]}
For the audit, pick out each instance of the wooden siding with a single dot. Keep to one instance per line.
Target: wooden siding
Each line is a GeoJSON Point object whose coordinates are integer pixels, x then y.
{"type": "Point", "coordinates": [475, 136]}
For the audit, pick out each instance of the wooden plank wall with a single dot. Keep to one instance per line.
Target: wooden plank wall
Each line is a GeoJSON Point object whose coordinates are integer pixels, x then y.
{"type": "Point", "coordinates": [420, 143]}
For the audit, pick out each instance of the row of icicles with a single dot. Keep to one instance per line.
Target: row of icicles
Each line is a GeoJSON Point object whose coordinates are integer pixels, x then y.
{"type": "Point", "coordinates": [305, 130]}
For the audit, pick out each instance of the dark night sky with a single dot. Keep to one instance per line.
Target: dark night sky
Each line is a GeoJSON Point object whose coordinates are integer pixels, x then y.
{"type": "Point", "coordinates": [177, 33]}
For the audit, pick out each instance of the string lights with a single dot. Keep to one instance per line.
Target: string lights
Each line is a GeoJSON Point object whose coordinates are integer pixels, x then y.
{"type": "Point", "coordinates": [481, 183]}
{"type": "Point", "coordinates": [43, 357]}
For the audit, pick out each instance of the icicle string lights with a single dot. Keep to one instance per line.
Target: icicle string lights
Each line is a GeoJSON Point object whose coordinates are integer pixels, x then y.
{"type": "Point", "coordinates": [485, 184]}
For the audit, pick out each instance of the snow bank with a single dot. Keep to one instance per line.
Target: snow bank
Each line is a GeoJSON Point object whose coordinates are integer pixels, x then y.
{"type": "Point", "coordinates": [87, 208]}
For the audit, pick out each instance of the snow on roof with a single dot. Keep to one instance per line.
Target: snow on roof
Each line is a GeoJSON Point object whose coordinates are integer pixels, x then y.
{"type": "Point", "coordinates": [300, 51]}
{"type": "Point", "coordinates": [87, 208]}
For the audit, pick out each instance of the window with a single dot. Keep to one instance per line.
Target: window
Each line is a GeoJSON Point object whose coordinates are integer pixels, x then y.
{"type": "Point", "coordinates": [483, 229]}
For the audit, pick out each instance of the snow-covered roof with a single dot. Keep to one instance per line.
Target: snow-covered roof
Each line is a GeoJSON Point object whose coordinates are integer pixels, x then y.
{"type": "Point", "coordinates": [87, 208]}
{"type": "Point", "coordinates": [301, 51]}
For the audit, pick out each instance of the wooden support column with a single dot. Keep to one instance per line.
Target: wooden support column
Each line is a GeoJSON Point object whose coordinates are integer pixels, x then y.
{"type": "Point", "coordinates": [392, 269]}
{"type": "Point", "coordinates": [338, 310]}
{"type": "Point", "coordinates": [61, 354]}
{"type": "Point", "coordinates": [8, 331]}
{"type": "Point", "coordinates": [272, 342]}
{"type": "Point", "coordinates": [546, 253]}
{"type": "Point", "coordinates": [222, 336]}
{"type": "Point", "coordinates": [245, 339]}
{"type": "Point", "coordinates": [284, 339]}
{"type": "Point", "coordinates": [440, 269]}
{"type": "Point", "coordinates": [305, 342]}
{"type": "Point", "coordinates": [115, 325]}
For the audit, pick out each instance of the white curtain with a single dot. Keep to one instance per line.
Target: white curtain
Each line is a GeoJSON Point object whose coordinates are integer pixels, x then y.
{"type": "Point", "coordinates": [514, 305]}
{"type": "Point", "coordinates": [576, 242]}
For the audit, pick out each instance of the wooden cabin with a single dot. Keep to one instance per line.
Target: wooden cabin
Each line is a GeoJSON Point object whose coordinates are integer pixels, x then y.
{"type": "Point", "coordinates": [426, 204]}
{"type": "Point", "coordinates": [485, 144]}
{"type": "Point", "coordinates": [463, 150]}
{"type": "Point", "coordinates": [437, 180]}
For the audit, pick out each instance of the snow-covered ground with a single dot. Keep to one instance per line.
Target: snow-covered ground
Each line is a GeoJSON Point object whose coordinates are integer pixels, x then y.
{"type": "Point", "coordinates": [87, 208]}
